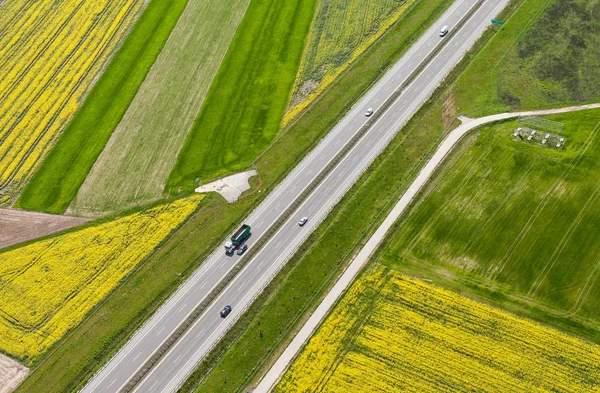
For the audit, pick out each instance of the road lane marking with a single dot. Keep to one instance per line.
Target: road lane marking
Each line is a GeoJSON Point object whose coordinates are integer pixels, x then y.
{"type": "Point", "coordinates": [161, 329]}
{"type": "Point", "coordinates": [341, 127]}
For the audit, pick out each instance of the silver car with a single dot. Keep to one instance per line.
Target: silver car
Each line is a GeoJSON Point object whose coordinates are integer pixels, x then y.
{"type": "Point", "coordinates": [302, 221]}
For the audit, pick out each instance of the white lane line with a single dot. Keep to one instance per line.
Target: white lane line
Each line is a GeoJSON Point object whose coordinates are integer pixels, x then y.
{"type": "Point", "coordinates": [381, 84]}
{"type": "Point", "coordinates": [182, 307]}
{"type": "Point", "coordinates": [161, 329]}
{"type": "Point", "coordinates": [200, 332]}
{"type": "Point", "coordinates": [137, 356]}
{"type": "Point", "coordinates": [113, 381]}
{"type": "Point", "coordinates": [177, 358]}
{"type": "Point", "coordinates": [319, 186]}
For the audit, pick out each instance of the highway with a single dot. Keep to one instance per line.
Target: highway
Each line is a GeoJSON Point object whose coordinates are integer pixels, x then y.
{"type": "Point", "coordinates": [182, 358]}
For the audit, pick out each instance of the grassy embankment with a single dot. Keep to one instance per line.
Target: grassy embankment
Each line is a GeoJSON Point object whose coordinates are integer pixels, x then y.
{"type": "Point", "coordinates": [245, 104]}
{"type": "Point", "coordinates": [516, 223]}
{"type": "Point", "coordinates": [242, 355]}
{"type": "Point", "coordinates": [341, 31]}
{"type": "Point", "coordinates": [93, 342]}
{"type": "Point", "coordinates": [57, 180]}
{"type": "Point", "coordinates": [545, 58]}
{"type": "Point", "coordinates": [134, 167]}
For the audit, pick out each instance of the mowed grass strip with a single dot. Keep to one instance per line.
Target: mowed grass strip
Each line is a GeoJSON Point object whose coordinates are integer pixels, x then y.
{"type": "Point", "coordinates": [50, 56]}
{"type": "Point", "coordinates": [134, 167]}
{"type": "Point", "coordinates": [92, 343]}
{"type": "Point", "coordinates": [518, 215]}
{"type": "Point", "coordinates": [56, 182]}
{"type": "Point", "coordinates": [245, 104]}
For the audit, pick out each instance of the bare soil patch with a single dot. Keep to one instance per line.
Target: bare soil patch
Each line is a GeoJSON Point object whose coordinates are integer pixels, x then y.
{"type": "Point", "coordinates": [17, 226]}
{"type": "Point", "coordinates": [11, 373]}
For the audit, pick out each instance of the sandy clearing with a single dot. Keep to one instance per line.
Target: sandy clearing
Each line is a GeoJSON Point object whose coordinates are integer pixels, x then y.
{"type": "Point", "coordinates": [12, 373]}
{"type": "Point", "coordinates": [230, 187]}
{"type": "Point", "coordinates": [17, 226]}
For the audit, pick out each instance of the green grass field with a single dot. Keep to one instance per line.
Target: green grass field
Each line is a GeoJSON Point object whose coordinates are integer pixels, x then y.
{"type": "Point", "coordinates": [245, 104]}
{"type": "Point", "coordinates": [92, 343]}
{"type": "Point", "coordinates": [137, 160]}
{"type": "Point", "coordinates": [545, 57]}
{"type": "Point", "coordinates": [341, 31]}
{"type": "Point", "coordinates": [515, 216]}
{"type": "Point", "coordinates": [56, 182]}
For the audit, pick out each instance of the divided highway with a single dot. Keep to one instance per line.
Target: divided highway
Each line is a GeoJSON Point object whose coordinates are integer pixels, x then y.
{"type": "Point", "coordinates": [174, 367]}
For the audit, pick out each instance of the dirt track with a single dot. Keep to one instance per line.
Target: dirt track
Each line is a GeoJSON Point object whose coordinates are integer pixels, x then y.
{"type": "Point", "coordinates": [17, 226]}
{"type": "Point", "coordinates": [11, 374]}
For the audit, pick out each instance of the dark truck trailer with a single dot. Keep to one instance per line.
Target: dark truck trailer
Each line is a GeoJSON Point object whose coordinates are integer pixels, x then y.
{"type": "Point", "coordinates": [237, 239]}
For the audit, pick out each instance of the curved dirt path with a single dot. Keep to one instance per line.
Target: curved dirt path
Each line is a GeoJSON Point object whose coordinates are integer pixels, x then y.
{"type": "Point", "coordinates": [276, 371]}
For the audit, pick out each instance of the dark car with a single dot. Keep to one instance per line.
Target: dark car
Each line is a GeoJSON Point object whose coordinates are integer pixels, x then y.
{"type": "Point", "coordinates": [242, 249]}
{"type": "Point", "coordinates": [225, 311]}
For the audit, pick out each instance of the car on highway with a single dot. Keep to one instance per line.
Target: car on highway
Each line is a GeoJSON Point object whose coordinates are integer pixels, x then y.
{"type": "Point", "coordinates": [302, 221]}
{"type": "Point", "coordinates": [225, 311]}
{"type": "Point", "coordinates": [444, 31]}
{"type": "Point", "coordinates": [369, 112]}
{"type": "Point", "coordinates": [242, 249]}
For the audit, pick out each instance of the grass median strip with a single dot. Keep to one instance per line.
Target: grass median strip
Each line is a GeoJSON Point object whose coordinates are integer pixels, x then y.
{"type": "Point", "coordinates": [89, 346]}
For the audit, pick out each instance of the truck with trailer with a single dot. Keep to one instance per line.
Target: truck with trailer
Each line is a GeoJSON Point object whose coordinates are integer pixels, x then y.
{"type": "Point", "coordinates": [238, 238]}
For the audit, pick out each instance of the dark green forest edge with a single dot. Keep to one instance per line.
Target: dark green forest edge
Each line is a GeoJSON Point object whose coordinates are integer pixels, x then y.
{"type": "Point", "coordinates": [247, 99]}
{"type": "Point", "coordinates": [56, 182]}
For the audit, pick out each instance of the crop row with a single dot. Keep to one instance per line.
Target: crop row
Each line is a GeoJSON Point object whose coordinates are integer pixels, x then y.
{"type": "Point", "coordinates": [49, 286]}
{"type": "Point", "coordinates": [421, 338]}
{"type": "Point", "coordinates": [50, 54]}
{"type": "Point", "coordinates": [342, 30]}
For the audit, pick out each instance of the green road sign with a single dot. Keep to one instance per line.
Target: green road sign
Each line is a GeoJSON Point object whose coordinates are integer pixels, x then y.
{"type": "Point", "coordinates": [497, 22]}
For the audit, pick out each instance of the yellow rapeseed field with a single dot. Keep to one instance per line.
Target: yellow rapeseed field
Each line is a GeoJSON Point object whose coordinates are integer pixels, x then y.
{"type": "Point", "coordinates": [50, 54]}
{"type": "Point", "coordinates": [391, 333]}
{"type": "Point", "coordinates": [341, 31]}
{"type": "Point", "coordinates": [47, 287]}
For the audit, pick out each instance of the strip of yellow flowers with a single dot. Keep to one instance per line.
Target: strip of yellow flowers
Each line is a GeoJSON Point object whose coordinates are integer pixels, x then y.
{"type": "Point", "coordinates": [342, 29]}
{"type": "Point", "coordinates": [47, 287]}
{"type": "Point", "coordinates": [391, 333]}
{"type": "Point", "coordinates": [50, 53]}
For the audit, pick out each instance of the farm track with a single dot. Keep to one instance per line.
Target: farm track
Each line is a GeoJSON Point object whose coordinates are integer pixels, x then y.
{"type": "Point", "coordinates": [364, 256]}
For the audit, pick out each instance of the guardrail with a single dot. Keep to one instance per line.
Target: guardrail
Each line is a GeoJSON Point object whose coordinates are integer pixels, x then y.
{"type": "Point", "coordinates": [256, 247]}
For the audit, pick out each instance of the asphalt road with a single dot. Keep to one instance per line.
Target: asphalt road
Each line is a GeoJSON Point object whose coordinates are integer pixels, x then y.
{"type": "Point", "coordinates": [182, 358]}
{"type": "Point", "coordinates": [272, 377]}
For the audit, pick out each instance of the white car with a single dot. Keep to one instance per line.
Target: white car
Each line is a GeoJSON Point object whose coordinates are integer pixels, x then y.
{"type": "Point", "coordinates": [369, 112]}
{"type": "Point", "coordinates": [302, 221]}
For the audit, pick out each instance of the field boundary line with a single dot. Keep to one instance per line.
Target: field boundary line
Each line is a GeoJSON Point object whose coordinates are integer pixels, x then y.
{"type": "Point", "coordinates": [269, 381]}
{"type": "Point", "coordinates": [304, 194]}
